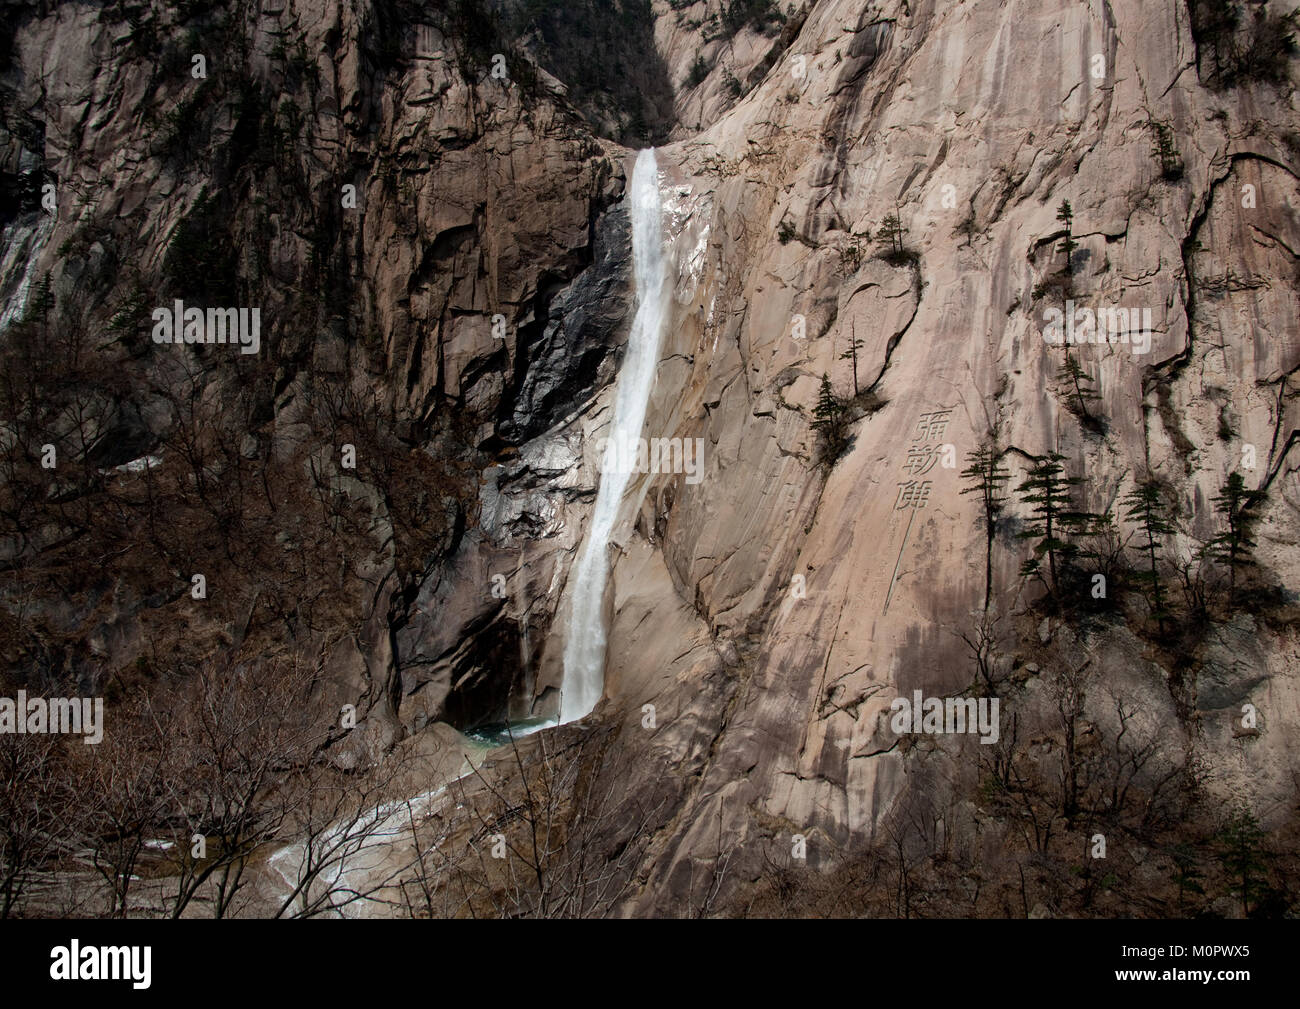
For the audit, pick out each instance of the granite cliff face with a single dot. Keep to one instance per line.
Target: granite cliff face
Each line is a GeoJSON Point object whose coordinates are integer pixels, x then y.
{"type": "Point", "coordinates": [425, 203]}
{"type": "Point", "coordinates": [937, 113]}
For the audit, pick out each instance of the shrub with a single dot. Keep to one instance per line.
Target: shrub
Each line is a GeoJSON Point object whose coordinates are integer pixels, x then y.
{"type": "Point", "coordinates": [200, 260]}
{"type": "Point", "coordinates": [1228, 54]}
{"type": "Point", "coordinates": [699, 70]}
{"type": "Point", "coordinates": [1165, 151]}
{"type": "Point", "coordinates": [761, 15]}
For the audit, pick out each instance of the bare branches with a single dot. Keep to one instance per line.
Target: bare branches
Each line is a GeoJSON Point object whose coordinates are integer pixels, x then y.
{"type": "Point", "coordinates": [548, 832]}
{"type": "Point", "coordinates": [39, 814]}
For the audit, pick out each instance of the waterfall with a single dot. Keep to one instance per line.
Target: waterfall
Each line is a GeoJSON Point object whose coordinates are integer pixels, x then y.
{"type": "Point", "coordinates": [584, 650]}
{"type": "Point", "coordinates": [20, 247]}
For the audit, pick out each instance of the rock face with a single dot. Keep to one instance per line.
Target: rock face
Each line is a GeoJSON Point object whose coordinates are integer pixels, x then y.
{"type": "Point", "coordinates": [473, 293]}
{"type": "Point", "coordinates": [426, 253]}
{"type": "Point", "coordinates": [563, 365]}
{"type": "Point", "coordinates": [933, 112]}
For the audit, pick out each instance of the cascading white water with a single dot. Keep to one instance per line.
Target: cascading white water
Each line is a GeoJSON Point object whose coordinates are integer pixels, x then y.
{"type": "Point", "coordinates": [584, 651]}
{"type": "Point", "coordinates": [20, 247]}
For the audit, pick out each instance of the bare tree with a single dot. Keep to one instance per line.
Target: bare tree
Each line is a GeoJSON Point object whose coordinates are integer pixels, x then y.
{"type": "Point", "coordinates": [39, 813]}
{"type": "Point", "coordinates": [715, 877]}
{"type": "Point", "coordinates": [351, 846]}
{"type": "Point", "coordinates": [1139, 782]}
{"type": "Point", "coordinates": [552, 836]}
{"type": "Point", "coordinates": [246, 734]}
{"type": "Point", "coordinates": [1070, 690]}
{"type": "Point", "coordinates": [127, 796]}
{"type": "Point", "coordinates": [982, 640]}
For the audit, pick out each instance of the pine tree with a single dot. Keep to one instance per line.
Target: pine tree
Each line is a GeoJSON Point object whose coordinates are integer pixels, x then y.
{"type": "Point", "coordinates": [851, 354]}
{"type": "Point", "coordinates": [1080, 386]}
{"type": "Point", "coordinates": [986, 474]}
{"type": "Point", "coordinates": [892, 231]}
{"type": "Point", "coordinates": [1146, 506]}
{"type": "Point", "coordinates": [1047, 490]}
{"type": "Point", "coordinates": [1240, 852]}
{"type": "Point", "coordinates": [829, 412]}
{"type": "Point", "coordinates": [1186, 873]}
{"type": "Point", "coordinates": [851, 254]}
{"type": "Point", "coordinates": [40, 300]}
{"type": "Point", "coordinates": [1065, 214]}
{"type": "Point", "coordinates": [1235, 546]}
